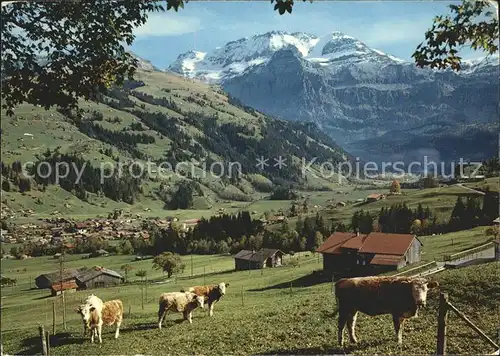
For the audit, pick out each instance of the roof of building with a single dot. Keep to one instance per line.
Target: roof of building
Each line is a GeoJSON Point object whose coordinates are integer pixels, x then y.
{"type": "Point", "coordinates": [261, 255]}
{"type": "Point", "coordinates": [57, 287]}
{"type": "Point", "coordinates": [191, 221]}
{"type": "Point", "coordinates": [374, 242]}
{"type": "Point", "coordinates": [355, 242]}
{"type": "Point", "coordinates": [334, 242]}
{"type": "Point", "coordinates": [82, 275]}
{"type": "Point", "coordinates": [388, 244]}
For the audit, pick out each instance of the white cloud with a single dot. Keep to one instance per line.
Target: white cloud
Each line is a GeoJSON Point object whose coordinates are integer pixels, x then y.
{"type": "Point", "coordinates": [167, 24]}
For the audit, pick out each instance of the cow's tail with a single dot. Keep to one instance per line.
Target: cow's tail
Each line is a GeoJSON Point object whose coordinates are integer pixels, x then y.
{"type": "Point", "coordinates": [161, 307]}
{"type": "Point", "coordinates": [335, 294]}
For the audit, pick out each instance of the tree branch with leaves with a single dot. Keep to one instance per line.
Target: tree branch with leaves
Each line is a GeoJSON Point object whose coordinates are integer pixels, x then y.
{"type": "Point", "coordinates": [53, 53]}
{"type": "Point", "coordinates": [473, 23]}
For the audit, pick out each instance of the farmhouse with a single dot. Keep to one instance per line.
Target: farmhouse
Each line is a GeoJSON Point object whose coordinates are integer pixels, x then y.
{"type": "Point", "coordinates": [375, 197]}
{"type": "Point", "coordinates": [96, 277]}
{"type": "Point", "coordinates": [266, 257]}
{"type": "Point", "coordinates": [347, 253]}
{"type": "Point", "coordinates": [69, 286]}
{"type": "Point", "coordinates": [100, 253]}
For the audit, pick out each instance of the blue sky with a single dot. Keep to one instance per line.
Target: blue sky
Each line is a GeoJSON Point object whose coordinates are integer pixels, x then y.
{"type": "Point", "coordinates": [394, 27]}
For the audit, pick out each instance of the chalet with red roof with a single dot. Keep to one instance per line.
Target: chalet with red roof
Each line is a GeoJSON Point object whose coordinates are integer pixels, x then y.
{"type": "Point", "coordinates": [350, 254]}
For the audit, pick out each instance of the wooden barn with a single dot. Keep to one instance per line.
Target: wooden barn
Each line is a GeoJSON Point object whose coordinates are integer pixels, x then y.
{"type": "Point", "coordinates": [69, 286]}
{"type": "Point", "coordinates": [95, 277]}
{"type": "Point", "coordinates": [354, 254]}
{"type": "Point", "coordinates": [251, 259]}
{"type": "Point", "coordinates": [46, 280]}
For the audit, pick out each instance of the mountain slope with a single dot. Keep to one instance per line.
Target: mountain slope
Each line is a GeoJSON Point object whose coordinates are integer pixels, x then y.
{"type": "Point", "coordinates": [168, 122]}
{"type": "Point", "coordinates": [353, 92]}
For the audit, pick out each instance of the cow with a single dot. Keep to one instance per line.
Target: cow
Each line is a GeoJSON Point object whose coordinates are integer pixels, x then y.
{"type": "Point", "coordinates": [183, 302]}
{"type": "Point", "coordinates": [399, 296]}
{"type": "Point", "coordinates": [93, 318]}
{"type": "Point", "coordinates": [212, 294]}
{"type": "Point", "coordinates": [91, 300]}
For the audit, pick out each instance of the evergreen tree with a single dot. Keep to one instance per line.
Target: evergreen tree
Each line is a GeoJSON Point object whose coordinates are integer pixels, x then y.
{"type": "Point", "coordinates": [458, 215]}
{"type": "Point", "coordinates": [490, 209]}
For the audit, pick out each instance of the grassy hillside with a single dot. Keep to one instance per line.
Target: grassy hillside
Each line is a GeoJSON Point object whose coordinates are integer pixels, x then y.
{"type": "Point", "coordinates": [277, 311]}
{"type": "Point", "coordinates": [162, 117]}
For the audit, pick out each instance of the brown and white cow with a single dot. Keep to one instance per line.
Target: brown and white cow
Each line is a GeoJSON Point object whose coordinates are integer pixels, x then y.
{"type": "Point", "coordinates": [183, 302]}
{"type": "Point", "coordinates": [399, 296]}
{"type": "Point", "coordinates": [211, 293]}
{"type": "Point", "coordinates": [93, 318]}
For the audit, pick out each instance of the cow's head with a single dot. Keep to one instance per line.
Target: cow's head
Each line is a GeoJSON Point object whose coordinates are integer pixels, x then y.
{"type": "Point", "coordinates": [222, 287]}
{"type": "Point", "coordinates": [85, 310]}
{"type": "Point", "coordinates": [420, 287]}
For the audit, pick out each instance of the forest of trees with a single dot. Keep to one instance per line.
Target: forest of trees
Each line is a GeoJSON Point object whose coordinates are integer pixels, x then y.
{"type": "Point", "coordinates": [83, 178]}
{"type": "Point", "coordinates": [182, 197]}
{"type": "Point", "coordinates": [123, 140]}
{"type": "Point", "coordinates": [398, 218]}
{"type": "Point", "coordinates": [469, 214]}
{"type": "Point", "coordinates": [13, 177]}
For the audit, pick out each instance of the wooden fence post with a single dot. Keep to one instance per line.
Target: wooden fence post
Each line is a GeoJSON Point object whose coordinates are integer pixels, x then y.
{"type": "Point", "coordinates": [43, 339]}
{"type": "Point", "coordinates": [290, 287]}
{"type": "Point", "coordinates": [442, 317]}
{"type": "Point", "coordinates": [54, 318]}
{"type": "Point", "coordinates": [142, 296]}
{"type": "Point", "coordinates": [64, 309]}
{"type": "Point", "coordinates": [129, 310]}
{"type": "Point", "coordinates": [47, 337]}
{"type": "Point", "coordinates": [242, 301]}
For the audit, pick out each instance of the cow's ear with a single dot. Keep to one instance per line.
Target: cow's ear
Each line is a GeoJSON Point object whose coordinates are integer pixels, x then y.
{"type": "Point", "coordinates": [432, 284]}
{"type": "Point", "coordinates": [227, 285]}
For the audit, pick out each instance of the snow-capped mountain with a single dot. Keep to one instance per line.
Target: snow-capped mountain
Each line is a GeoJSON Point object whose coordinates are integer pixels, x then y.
{"type": "Point", "coordinates": [355, 93]}
{"type": "Point", "coordinates": [235, 57]}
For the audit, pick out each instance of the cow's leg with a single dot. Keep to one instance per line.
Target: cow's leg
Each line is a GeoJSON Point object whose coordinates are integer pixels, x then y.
{"type": "Point", "coordinates": [99, 331]}
{"type": "Point", "coordinates": [398, 327]}
{"type": "Point", "coordinates": [211, 309]}
{"type": "Point", "coordinates": [162, 313]}
{"type": "Point", "coordinates": [92, 333]}
{"type": "Point", "coordinates": [118, 324]}
{"type": "Point", "coordinates": [351, 324]}
{"type": "Point", "coordinates": [343, 315]}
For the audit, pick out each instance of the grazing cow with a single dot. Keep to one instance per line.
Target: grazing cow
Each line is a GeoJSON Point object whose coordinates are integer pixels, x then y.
{"type": "Point", "coordinates": [93, 319]}
{"type": "Point", "coordinates": [399, 296]}
{"type": "Point", "coordinates": [212, 294]}
{"type": "Point", "coordinates": [91, 300]}
{"type": "Point", "coordinates": [183, 302]}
